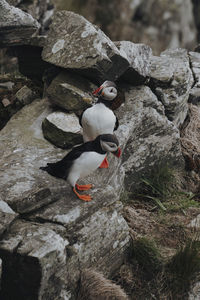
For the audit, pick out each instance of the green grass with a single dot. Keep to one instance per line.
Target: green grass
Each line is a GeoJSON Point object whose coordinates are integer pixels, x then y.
{"type": "Point", "coordinates": [182, 268]}
{"type": "Point", "coordinates": [160, 188]}
{"type": "Point", "coordinates": [147, 255]}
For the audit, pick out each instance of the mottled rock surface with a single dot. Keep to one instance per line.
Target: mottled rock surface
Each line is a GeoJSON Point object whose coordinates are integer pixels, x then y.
{"type": "Point", "coordinates": [148, 137]}
{"type": "Point", "coordinates": [70, 91]}
{"type": "Point", "coordinates": [7, 216]}
{"type": "Point", "coordinates": [39, 253]}
{"type": "Point", "coordinates": [25, 95]}
{"type": "Point", "coordinates": [172, 79]}
{"type": "Point", "coordinates": [61, 234]}
{"type": "Point", "coordinates": [15, 25]}
{"type": "Point", "coordinates": [62, 129]}
{"type": "Point", "coordinates": [138, 56]}
{"type": "Point", "coordinates": [195, 66]}
{"type": "Point", "coordinates": [73, 42]}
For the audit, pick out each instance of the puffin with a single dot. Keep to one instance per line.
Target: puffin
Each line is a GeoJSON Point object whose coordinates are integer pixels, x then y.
{"type": "Point", "coordinates": [83, 160]}
{"type": "Point", "coordinates": [100, 119]}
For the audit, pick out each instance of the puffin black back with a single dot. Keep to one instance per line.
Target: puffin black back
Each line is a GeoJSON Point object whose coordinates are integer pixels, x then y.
{"type": "Point", "coordinates": [61, 168]}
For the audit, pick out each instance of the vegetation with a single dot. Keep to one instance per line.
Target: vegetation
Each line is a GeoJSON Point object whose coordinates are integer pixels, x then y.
{"type": "Point", "coordinates": [160, 188]}
{"type": "Point", "coordinates": [165, 258]}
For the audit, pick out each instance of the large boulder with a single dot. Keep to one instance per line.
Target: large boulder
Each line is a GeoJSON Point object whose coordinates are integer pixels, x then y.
{"type": "Point", "coordinates": [138, 56]}
{"type": "Point", "coordinates": [61, 234]}
{"type": "Point", "coordinates": [74, 43]}
{"type": "Point", "coordinates": [149, 139]}
{"type": "Point", "coordinates": [15, 25]}
{"type": "Point", "coordinates": [171, 80]}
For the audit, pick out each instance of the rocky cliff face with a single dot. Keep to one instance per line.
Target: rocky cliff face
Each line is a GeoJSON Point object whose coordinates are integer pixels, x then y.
{"type": "Point", "coordinates": [47, 236]}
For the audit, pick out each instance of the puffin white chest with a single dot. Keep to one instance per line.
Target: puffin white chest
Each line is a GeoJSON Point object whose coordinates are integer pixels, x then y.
{"type": "Point", "coordinates": [87, 163]}
{"type": "Point", "coordinates": [97, 120]}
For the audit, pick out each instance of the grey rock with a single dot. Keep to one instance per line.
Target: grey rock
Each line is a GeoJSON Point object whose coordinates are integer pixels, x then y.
{"type": "Point", "coordinates": [148, 137]}
{"type": "Point", "coordinates": [70, 91]}
{"type": "Point", "coordinates": [172, 79]}
{"type": "Point", "coordinates": [7, 216]}
{"type": "Point", "coordinates": [73, 42]}
{"type": "Point", "coordinates": [194, 292]}
{"type": "Point", "coordinates": [41, 10]}
{"type": "Point", "coordinates": [194, 96]}
{"type": "Point", "coordinates": [22, 184]}
{"type": "Point", "coordinates": [195, 65]}
{"type": "Point", "coordinates": [39, 253]}
{"type": "Point", "coordinates": [8, 85]}
{"type": "Point", "coordinates": [15, 25]}
{"type": "Point", "coordinates": [98, 234]}
{"type": "Point", "coordinates": [138, 56]}
{"type": "Point", "coordinates": [88, 234]}
{"type": "Point", "coordinates": [5, 102]}
{"type": "Point", "coordinates": [25, 95]}
{"type": "Point", "coordinates": [62, 129]}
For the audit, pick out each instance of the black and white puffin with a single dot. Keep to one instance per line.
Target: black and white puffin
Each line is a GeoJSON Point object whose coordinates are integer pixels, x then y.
{"type": "Point", "coordinates": [83, 160]}
{"type": "Point", "coordinates": [100, 119]}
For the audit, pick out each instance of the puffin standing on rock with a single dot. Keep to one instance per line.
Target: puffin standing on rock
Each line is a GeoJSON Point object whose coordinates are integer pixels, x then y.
{"type": "Point", "coordinates": [100, 119]}
{"type": "Point", "coordinates": [83, 160]}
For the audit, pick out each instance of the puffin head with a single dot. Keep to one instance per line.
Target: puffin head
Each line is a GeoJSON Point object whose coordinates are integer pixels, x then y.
{"type": "Point", "coordinates": [107, 91]}
{"type": "Point", "coordinates": [110, 143]}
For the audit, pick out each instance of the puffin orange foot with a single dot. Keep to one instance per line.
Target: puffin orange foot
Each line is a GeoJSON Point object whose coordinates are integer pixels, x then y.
{"type": "Point", "coordinates": [84, 187]}
{"type": "Point", "coordinates": [104, 164]}
{"type": "Point", "coordinates": [86, 198]}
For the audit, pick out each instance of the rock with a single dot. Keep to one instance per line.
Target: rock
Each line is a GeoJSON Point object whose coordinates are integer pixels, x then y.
{"type": "Point", "coordinates": [5, 102]}
{"type": "Point", "coordinates": [7, 85]}
{"type": "Point", "coordinates": [195, 66]}
{"type": "Point", "coordinates": [71, 92]}
{"type": "Point", "coordinates": [23, 166]}
{"type": "Point", "coordinates": [41, 10]}
{"type": "Point", "coordinates": [39, 253]}
{"type": "Point", "coordinates": [15, 25]}
{"type": "Point", "coordinates": [171, 24]}
{"type": "Point", "coordinates": [25, 95]}
{"type": "Point", "coordinates": [98, 234]}
{"type": "Point", "coordinates": [148, 137]}
{"type": "Point", "coordinates": [88, 50]}
{"type": "Point", "coordinates": [194, 96]}
{"type": "Point", "coordinates": [138, 56]}
{"type": "Point", "coordinates": [62, 129]}
{"type": "Point", "coordinates": [7, 216]}
{"type": "Point", "coordinates": [190, 136]}
{"type": "Point", "coordinates": [171, 80]}
{"type": "Point", "coordinates": [88, 234]}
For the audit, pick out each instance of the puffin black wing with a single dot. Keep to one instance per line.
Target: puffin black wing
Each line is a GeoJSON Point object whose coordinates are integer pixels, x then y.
{"type": "Point", "coordinates": [62, 167]}
{"type": "Point", "coordinates": [116, 124]}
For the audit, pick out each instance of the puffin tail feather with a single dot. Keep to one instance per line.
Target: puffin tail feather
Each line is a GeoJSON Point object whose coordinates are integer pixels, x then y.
{"type": "Point", "coordinates": [55, 170]}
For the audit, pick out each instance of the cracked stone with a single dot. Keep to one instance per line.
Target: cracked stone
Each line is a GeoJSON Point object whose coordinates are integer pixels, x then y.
{"type": "Point", "coordinates": [74, 43]}
{"type": "Point", "coordinates": [62, 129]}
{"type": "Point", "coordinates": [138, 56]}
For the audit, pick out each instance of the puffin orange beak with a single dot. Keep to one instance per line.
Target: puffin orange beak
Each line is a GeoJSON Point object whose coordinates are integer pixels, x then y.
{"type": "Point", "coordinates": [96, 92]}
{"type": "Point", "coordinates": [118, 152]}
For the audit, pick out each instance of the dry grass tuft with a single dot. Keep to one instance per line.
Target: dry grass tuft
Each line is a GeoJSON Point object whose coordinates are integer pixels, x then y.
{"type": "Point", "coordinates": [94, 286]}
{"type": "Point", "coordinates": [190, 138]}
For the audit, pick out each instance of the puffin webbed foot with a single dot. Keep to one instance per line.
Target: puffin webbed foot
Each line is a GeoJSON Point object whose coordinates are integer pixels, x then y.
{"type": "Point", "coordinates": [84, 187]}
{"type": "Point", "coordinates": [86, 198]}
